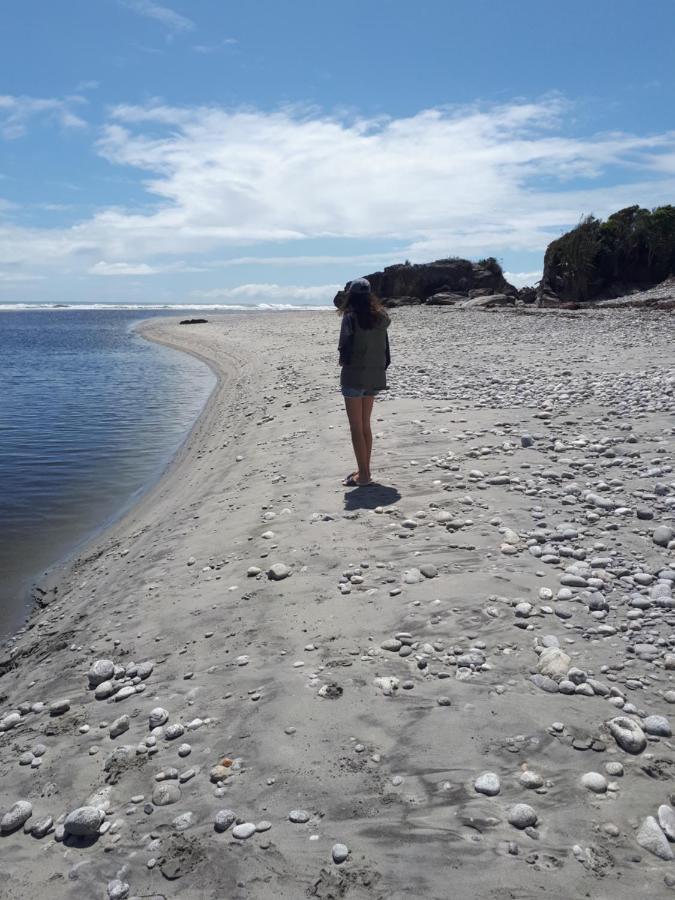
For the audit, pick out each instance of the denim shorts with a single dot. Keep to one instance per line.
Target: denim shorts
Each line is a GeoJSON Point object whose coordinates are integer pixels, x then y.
{"type": "Point", "coordinates": [357, 392]}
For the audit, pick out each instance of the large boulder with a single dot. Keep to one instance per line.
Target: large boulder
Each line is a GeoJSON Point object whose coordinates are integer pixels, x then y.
{"type": "Point", "coordinates": [443, 282]}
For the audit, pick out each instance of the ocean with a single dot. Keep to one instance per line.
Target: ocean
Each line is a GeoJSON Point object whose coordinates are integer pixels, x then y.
{"type": "Point", "coordinates": [90, 415]}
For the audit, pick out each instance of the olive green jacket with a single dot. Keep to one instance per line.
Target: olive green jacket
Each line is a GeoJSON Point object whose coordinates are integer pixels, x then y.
{"type": "Point", "coordinates": [364, 353]}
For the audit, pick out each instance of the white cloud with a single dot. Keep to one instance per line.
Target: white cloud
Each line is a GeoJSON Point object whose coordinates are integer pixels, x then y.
{"type": "Point", "coordinates": [121, 268]}
{"type": "Point", "coordinates": [16, 112]}
{"type": "Point", "coordinates": [271, 293]}
{"type": "Point", "coordinates": [205, 49]}
{"type": "Point", "coordinates": [171, 20]}
{"type": "Point", "coordinates": [520, 279]}
{"type": "Point", "coordinates": [467, 181]}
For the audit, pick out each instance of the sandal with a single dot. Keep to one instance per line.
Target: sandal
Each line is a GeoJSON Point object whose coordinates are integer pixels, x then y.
{"type": "Point", "coordinates": [350, 481]}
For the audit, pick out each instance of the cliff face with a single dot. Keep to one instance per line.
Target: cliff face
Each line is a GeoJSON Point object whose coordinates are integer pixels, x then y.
{"type": "Point", "coordinates": [633, 250]}
{"type": "Point", "coordinates": [444, 281]}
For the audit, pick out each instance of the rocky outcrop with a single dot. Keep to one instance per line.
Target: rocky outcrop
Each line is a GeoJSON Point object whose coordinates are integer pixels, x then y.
{"type": "Point", "coordinates": [634, 250]}
{"type": "Point", "coordinates": [445, 282]}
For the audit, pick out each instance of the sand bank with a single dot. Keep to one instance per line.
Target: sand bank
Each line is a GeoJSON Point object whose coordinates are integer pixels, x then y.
{"type": "Point", "coordinates": [488, 607]}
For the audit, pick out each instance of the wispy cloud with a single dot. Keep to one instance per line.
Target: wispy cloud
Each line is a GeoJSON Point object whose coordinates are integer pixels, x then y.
{"type": "Point", "coordinates": [167, 17]}
{"type": "Point", "coordinates": [205, 49]}
{"type": "Point", "coordinates": [270, 293]}
{"type": "Point", "coordinates": [468, 181]}
{"type": "Point", "coordinates": [121, 268]}
{"type": "Point", "coordinates": [17, 112]}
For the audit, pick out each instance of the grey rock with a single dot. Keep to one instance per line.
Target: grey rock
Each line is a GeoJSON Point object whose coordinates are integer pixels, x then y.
{"type": "Point", "coordinates": [144, 669]}
{"type": "Point", "coordinates": [243, 831]}
{"type": "Point", "coordinates": [84, 821]}
{"type": "Point", "coordinates": [657, 725]}
{"type": "Point", "coordinates": [166, 793]}
{"type": "Point", "coordinates": [553, 662]}
{"type": "Point", "coordinates": [627, 734]}
{"type": "Point", "coordinates": [10, 721]}
{"type": "Point", "coordinates": [174, 731]}
{"type": "Point", "coordinates": [278, 572]}
{"type": "Point", "coordinates": [105, 689]}
{"type": "Point", "coordinates": [488, 784]}
{"type": "Point", "coordinates": [651, 838]}
{"type": "Point", "coordinates": [119, 726]}
{"type": "Point", "coordinates": [663, 535]}
{"type": "Point", "coordinates": [43, 827]}
{"type": "Point", "coordinates": [522, 816]}
{"type": "Point", "coordinates": [545, 683]}
{"type": "Point", "coordinates": [531, 780]}
{"type": "Point", "coordinates": [340, 852]}
{"type": "Point", "coordinates": [100, 671]}
{"type": "Point", "coordinates": [118, 890]}
{"type": "Point", "coordinates": [595, 782]}
{"type": "Point", "coordinates": [224, 818]}
{"type": "Point", "coordinates": [666, 816]}
{"type": "Point", "coordinates": [59, 707]}
{"type": "Point", "coordinates": [298, 816]}
{"type": "Point", "coordinates": [157, 717]}
{"type": "Point", "coordinates": [16, 816]}
{"type": "Point", "coordinates": [183, 821]}
{"type": "Point", "coordinates": [429, 570]}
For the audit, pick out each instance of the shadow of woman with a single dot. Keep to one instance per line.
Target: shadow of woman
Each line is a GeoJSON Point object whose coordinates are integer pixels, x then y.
{"type": "Point", "coordinates": [371, 496]}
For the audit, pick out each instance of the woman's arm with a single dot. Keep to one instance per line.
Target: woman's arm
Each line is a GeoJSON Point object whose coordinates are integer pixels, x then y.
{"type": "Point", "coordinates": [346, 341]}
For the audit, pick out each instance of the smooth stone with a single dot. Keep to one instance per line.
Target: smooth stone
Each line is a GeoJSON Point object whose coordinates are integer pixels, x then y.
{"type": "Point", "coordinates": [340, 852]}
{"type": "Point", "coordinates": [658, 726]}
{"type": "Point", "coordinates": [488, 784]}
{"type": "Point", "coordinates": [183, 821]}
{"type": "Point", "coordinates": [663, 535]}
{"type": "Point", "coordinates": [627, 734]}
{"type": "Point", "coordinates": [100, 671]}
{"type": "Point", "coordinates": [522, 816]}
{"type": "Point", "coordinates": [666, 816]}
{"type": "Point", "coordinates": [42, 828]}
{"type": "Point", "coordinates": [119, 726]}
{"type": "Point", "coordinates": [277, 572]}
{"type": "Point", "coordinates": [412, 576]}
{"type": "Point", "coordinates": [16, 816]}
{"type": "Point", "coordinates": [104, 690]}
{"type": "Point", "coordinates": [243, 831]}
{"type": "Point", "coordinates": [429, 570]}
{"type": "Point", "coordinates": [224, 819]}
{"type": "Point", "coordinates": [651, 838]}
{"type": "Point", "coordinates": [299, 816]}
{"type": "Point", "coordinates": [531, 780]}
{"type": "Point", "coordinates": [59, 707]}
{"type": "Point", "coordinates": [157, 717]}
{"type": "Point", "coordinates": [174, 731]}
{"type": "Point", "coordinates": [595, 782]}
{"type": "Point", "coordinates": [166, 793]}
{"type": "Point", "coordinates": [84, 821]}
{"type": "Point", "coordinates": [553, 662]}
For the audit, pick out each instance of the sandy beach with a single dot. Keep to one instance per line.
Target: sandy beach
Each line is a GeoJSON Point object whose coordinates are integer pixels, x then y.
{"type": "Point", "coordinates": [260, 684]}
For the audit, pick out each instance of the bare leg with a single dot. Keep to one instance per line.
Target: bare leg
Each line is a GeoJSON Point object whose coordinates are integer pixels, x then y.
{"type": "Point", "coordinates": [354, 405]}
{"type": "Point", "coordinates": [366, 413]}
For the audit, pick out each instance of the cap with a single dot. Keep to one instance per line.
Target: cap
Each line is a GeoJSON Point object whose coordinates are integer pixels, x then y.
{"type": "Point", "coordinates": [359, 286]}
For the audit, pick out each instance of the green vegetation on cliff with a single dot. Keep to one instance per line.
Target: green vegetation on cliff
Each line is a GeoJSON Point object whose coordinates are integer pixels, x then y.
{"type": "Point", "coordinates": [634, 248]}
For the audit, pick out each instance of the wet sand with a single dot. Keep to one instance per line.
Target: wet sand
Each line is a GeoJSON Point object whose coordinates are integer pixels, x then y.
{"type": "Point", "coordinates": [340, 666]}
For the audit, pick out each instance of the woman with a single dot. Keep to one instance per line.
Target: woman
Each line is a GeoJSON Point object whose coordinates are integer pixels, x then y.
{"type": "Point", "coordinates": [364, 357]}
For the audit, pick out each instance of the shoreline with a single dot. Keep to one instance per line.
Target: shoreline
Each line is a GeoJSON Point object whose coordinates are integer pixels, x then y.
{"type": "Point", "coordinates": [39, 589]}
{"type": "Point", "coordinates": [62, 571]}
{"type": "Point", "coordinates": [357, 699]}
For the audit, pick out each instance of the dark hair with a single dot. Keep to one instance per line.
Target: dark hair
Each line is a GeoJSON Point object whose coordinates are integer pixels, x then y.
{"type": "Point", "coordinates": [366, 307]}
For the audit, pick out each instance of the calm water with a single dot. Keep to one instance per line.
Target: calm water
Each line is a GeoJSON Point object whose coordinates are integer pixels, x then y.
{"type": "Point", "coordinates": [90, 414]}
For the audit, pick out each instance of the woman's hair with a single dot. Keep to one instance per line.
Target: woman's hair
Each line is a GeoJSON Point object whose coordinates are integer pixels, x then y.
{"type": "Point", "coordinates": [366, 307]}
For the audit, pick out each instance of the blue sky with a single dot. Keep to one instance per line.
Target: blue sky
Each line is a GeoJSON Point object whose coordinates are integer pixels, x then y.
{"type": "Point", "coordinates": [263, 151]}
